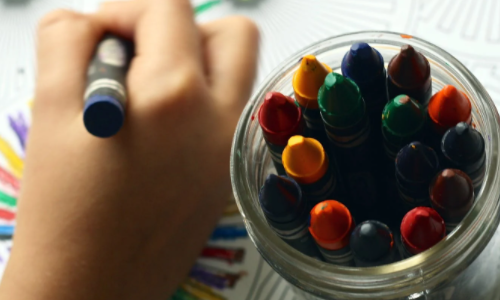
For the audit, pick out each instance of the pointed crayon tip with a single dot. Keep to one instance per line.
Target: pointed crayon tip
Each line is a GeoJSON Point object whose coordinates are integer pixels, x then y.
{"type": "Point", "coordinates": [402, 118]}
{"type": "Point", "coordinates": [304, 159]}
{"type": "Point", "coordinates": [279, 118]}
{"type": "Point", "coordinates": [449, 107]}
{"type": "Point", "coordinates": [340, 101]}
{"type": "Point", "coordinates": [308, 79]}
{"type": "Point", "coordinates": [276, 99]}
{"type": "Point", "coordinates": [361, 50]}
{"type": "Point", "coordinates": [422, 228]}
{"type": "Point", "coordinates": [362, 63]}
{"type": "Point", "coordinates": [463, 145]}
{"type": "Point", "coordinates": [331, 224]}
{"type": "Point", "coordinates": [407, 51]}
{"type": "Point", "coordinates": [452, 193]}
{"type": "Point", "coordinates": [409, 68]}
{"type": "Point", "coordinates": [417, 162]}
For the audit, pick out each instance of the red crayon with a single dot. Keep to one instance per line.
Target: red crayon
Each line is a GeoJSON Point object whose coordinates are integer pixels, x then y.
{"type": "Point", "coordinates": [409, 73]}
{"type": "Point", "coordinates": [279, 119]}
{"type": "Point", "coordinates": [422, 228]}
{"type": "Point", "coordinates": [9, 179]}
{"type": "Point", "coordinates": [226, 254]}
{"type": "Point", "coordinates": [452, 196]}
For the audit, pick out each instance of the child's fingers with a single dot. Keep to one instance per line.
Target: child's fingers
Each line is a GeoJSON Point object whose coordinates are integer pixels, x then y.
{"type": "Point", "coordinates": [120, 17]}
{"type": "Point", "coordinates": [230, 50]}
{"type": "Point", "coordinates": [66, 41]}
{"type": "Point", "coordinates": [163, 30]}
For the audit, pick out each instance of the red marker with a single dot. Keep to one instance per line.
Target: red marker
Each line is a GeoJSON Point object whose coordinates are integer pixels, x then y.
{"type": "Point", "coordinates": [279, 119]}
{"type": "Point", "coordinates": [331, 225]}
{"type": "Point", "coordinates": [452, 196]}
{"type": "Point", "coordinates": [422, 228]}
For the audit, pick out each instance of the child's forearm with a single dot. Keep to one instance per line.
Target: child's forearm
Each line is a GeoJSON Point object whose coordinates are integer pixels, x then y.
{"type": "Point", "coordinates": [125, 217]}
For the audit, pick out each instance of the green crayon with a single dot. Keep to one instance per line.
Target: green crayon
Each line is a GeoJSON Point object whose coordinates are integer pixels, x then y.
{"type": "Point", "coordinates": [347, 126]}
{"type": "Point", "coordinates": [403, 120]}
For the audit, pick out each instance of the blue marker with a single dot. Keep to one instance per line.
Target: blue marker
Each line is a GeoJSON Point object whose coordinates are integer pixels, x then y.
{"type": "Point", "coordinates": [228, 232]}
{"type": "Point", "coordinates": [106, 95]}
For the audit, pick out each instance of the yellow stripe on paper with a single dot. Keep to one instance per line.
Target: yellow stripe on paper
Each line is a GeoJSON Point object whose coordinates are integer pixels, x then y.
{"type": "Point", "coordinates": [15, 162]}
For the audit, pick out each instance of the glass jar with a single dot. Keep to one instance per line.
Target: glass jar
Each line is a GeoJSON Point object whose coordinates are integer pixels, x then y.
{"type": "Point", "coordinates": [465, 265]}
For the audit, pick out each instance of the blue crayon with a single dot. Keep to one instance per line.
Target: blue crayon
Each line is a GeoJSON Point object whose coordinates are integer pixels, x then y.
{"type": "Point", "coordinates": [372, 244]}
{"type": "Point", "coordinates": [463, 148]}
{"type": "Point", "coordinates": [6, 230]}
{"type": "Point", "coordinates": [365, 66]}
{"type": "Point", "coordinates": [105, 94]}
{"type": "Point", "coordinates": [416, 166]}
{"type": "Point", "coordinates": [287, 213]}
{"type": "Point", "coordinates": [228, 232]}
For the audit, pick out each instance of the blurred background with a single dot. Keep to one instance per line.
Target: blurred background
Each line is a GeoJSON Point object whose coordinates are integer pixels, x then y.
{"type": "Point", "coordinates": [468, 29]}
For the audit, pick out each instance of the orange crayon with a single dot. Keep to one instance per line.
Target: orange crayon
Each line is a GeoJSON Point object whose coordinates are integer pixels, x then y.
{"type": "Point", "coordinates": [306, 161]}
{"type": "Point", "coordinates": [447, 108]}
{"type": "Point", "coordinates": [306, 83]}
{"type": "Point", "coordinates": [331, 226]}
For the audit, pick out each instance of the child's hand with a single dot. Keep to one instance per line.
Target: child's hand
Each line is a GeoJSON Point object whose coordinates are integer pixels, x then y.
{"type": "Point", "coordinates": [125, 217]}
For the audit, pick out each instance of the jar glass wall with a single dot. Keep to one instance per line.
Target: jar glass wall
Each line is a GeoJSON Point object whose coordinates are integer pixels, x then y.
{"type": "Point", "coordinates": [452, 267]}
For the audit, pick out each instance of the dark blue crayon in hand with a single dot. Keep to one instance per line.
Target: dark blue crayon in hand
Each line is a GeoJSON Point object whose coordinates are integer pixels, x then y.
{"type": "Point", "coordinates": [416, 166]}
{"type": "Point", "coordinates": [463, 148]}
{"type": "Point", "coordinates": [365, 66]}
{"type": "Point", "coordinates": [105, 95]}
{"type": "Point", "coordinates": [228, 232]}
{"type": "Point", "coordinates": [372, 244]}
{"type": "Point", "coordinates": [287, 213]}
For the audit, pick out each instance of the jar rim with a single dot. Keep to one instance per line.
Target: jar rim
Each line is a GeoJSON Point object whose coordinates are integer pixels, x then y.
{"type": "Point", "coordinates": [429, 268]}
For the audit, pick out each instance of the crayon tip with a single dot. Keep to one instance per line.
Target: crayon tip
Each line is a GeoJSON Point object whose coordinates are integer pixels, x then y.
{"type": "Point", "coordinates": [417, 162]}
{"type": "Point", "coordinates": [463, 144]}
{"type": "Point", "coordinates": [361, 50]}
{"type": "Point", "coordinates": [362, 63]}
{"type": "Point", "coordinates": [304, 159]}
{"type": "Point", "coordinates": [280, 198]}
{"type": "Point", "coordinates": [409, 68]}
{"type": "Point", "coordinates": [340, 101]}
{"type": "Point", "coordinates": [331, 224]}
{"type": "Point", "coordinates": [452, 193]}
{"type": "Point", "coordinates": [402, 117]}
{"type": "Point", "coordinates": [422, 228]}
{"type": "Point", "coordinates": [308, 79]}
{"type": "Point", "coordinates": [371, 241]}
{"type": "Point", "coordinates": [449, 107]}
{"type": "Point", "coordinates": [279, 118]}
{"type": "Point", "coordinates": [275, 98]}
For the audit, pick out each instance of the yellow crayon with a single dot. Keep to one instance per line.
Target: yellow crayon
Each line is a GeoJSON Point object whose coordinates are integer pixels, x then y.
{"type": "Point", "coordinates": [200, 290]}
{"type": "Point", "coordinates": [15, 162]}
